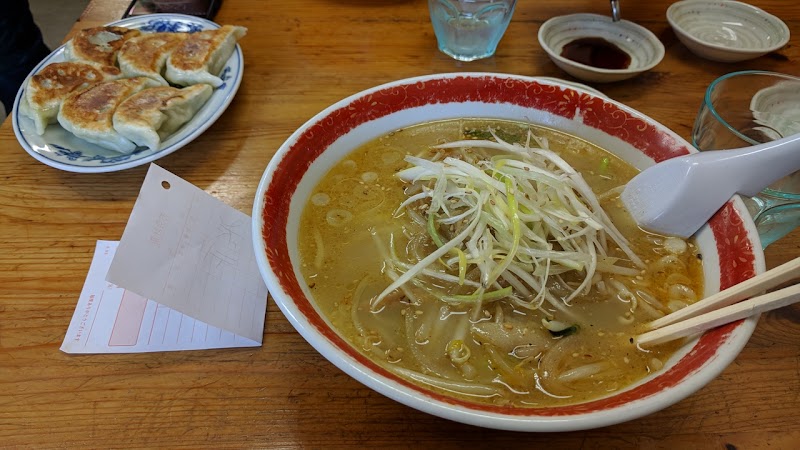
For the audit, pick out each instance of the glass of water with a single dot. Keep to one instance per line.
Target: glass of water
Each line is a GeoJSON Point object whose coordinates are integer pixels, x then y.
{"type": "Point", "coordinates": [747, 108]}
{"type": "Point", "coordinates": [470, 29]}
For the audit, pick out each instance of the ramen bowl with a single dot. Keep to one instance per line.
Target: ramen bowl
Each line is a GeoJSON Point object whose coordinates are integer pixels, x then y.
{"type": "Point", "coordinates": [729, 243]}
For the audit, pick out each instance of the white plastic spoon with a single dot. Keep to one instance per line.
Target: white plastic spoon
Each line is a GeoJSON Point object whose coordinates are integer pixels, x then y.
{"type": "Point", "coordinates": [677, 196]}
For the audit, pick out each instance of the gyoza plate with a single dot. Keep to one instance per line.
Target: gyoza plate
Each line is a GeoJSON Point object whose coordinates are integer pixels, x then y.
{"type": "Point", "coordinates": [62, 150]}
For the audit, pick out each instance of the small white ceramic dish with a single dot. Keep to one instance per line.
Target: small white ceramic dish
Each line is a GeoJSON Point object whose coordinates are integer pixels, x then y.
{"type": "Point", "coordinates": [726, 31]}
{"type": "Point", "coordinates": [643, 47]}
{"type": "Point", "coordinates": [60, 149]}
{"type": "Point", "coordinates": [729, 242]}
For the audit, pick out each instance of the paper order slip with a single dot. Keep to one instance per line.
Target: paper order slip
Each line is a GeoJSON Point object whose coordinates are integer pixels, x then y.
{"type": "Point", "coordinates": [110, 319]}
{"type": "Point", "coordinates": [183, 277]}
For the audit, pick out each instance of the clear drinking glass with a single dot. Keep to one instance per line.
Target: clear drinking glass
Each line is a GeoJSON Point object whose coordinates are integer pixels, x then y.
{"type": "Point", "coordinates": [470, 29]}
{"type": "Point", "coordinates": [747, 108]}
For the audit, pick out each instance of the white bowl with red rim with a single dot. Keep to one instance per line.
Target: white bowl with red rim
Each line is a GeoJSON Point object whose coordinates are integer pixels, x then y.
{"type": "Point", "coordinates": [729, 242]}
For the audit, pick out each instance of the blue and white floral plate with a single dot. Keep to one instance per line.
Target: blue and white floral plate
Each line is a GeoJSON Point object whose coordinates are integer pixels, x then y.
{"type": "Point", "coordinates": [62, 150]}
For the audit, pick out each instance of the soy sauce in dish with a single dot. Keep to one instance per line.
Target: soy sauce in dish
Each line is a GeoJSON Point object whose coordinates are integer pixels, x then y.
{"type": "Point", "coordinates": [596, 52]}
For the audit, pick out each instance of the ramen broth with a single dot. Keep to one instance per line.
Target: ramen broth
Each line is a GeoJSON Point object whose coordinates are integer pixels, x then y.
{"type": "Point", "coordinates": [497, 352]}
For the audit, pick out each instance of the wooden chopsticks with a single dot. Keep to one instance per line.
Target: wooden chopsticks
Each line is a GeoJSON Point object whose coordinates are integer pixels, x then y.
{"type": "Point", "coordinates": [727, 306]}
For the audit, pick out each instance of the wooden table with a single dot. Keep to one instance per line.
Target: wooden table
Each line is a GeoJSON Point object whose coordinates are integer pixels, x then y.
{"type": "Point", "coordinates": [301, 56]}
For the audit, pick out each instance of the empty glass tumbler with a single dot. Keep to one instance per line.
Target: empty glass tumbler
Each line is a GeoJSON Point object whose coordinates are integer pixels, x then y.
{"type": "Point", "coordinates": [747, 108]}
{"type": "Point", "coordinates": [470, 29]}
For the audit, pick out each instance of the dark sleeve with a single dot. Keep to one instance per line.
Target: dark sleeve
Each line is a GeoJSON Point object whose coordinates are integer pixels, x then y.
{"type": "Point", "coordinates": [21, 48]}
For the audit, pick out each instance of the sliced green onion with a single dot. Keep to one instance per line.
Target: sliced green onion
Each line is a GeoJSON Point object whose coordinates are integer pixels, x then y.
{"type": "Point", "coordinates": [604, 164]}
{"type": "Point", "coordinates": [462, 266]}
{"type": "Point", "coordinates": [433, 232]}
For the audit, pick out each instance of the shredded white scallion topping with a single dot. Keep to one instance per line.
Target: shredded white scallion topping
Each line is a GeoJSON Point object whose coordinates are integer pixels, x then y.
{"type": "Point", "coordinates": [523, 214]}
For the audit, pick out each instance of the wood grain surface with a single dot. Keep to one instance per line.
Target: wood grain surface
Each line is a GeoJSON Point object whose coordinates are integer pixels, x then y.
{"type": "Point", "coordinates": [301, 56]}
